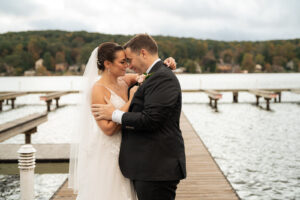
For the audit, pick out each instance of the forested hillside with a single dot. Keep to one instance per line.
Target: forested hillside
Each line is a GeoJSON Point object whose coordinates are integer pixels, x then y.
{"type": "Point", "coordinates": [20, 50]}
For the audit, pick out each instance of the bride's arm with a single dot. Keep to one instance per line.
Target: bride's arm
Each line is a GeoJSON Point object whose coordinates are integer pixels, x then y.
{"type": "Point", "coordinates": [97, 109]}
{"type": "Point", "coordinates": [131, 79]}
{"type": "Point", "coordinates": [98, 94]}
{"type": "Point", "coordinates": [125, 108]}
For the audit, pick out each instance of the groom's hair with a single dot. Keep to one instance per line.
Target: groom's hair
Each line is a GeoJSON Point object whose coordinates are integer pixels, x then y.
{"type": "Point", "coordinates": [142, 41]}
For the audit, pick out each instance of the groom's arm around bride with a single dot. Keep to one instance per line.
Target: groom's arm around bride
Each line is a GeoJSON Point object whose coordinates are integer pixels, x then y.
{"type": "Point", "coordinates": [152, 148]}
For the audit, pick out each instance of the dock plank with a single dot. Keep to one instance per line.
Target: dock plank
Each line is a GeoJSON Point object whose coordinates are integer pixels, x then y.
{"type": "Point", "coordinates": [50, 152]}
{"type": "Point", "coordinates": [21, 125]}
{"type": "Point", "coordinates": [204, 180]}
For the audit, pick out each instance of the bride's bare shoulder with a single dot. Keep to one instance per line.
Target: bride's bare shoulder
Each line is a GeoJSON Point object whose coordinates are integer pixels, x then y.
{"type": "Point", "coordinates": [99, 91]}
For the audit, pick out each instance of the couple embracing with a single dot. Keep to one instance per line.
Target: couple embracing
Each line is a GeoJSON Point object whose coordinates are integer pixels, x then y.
{"type": "Point", "coordinates": [128, 144]}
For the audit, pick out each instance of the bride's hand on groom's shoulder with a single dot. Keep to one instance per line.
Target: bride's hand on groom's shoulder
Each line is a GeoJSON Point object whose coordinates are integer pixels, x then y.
{"type": "Point", "coordinates": [170, 62]}
{"type": "Point", "coordinates": [103, 111]}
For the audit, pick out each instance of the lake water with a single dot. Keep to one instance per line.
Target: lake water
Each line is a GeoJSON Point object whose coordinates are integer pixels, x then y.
{"type": "Point", "coordinates": [257, 150]}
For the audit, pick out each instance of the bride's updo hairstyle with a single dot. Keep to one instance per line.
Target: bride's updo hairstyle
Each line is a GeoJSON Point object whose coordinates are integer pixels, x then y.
{"type": "Point", "coordinates": [107, 51]}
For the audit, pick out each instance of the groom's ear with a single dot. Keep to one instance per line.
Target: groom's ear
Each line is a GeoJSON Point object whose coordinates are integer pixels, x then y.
{"type": "Point", "coordinates": [144, 53]}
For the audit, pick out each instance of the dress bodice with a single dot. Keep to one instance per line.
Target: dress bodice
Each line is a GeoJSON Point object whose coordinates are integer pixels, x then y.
{"type": "Point", "coordinates": [113, 142]}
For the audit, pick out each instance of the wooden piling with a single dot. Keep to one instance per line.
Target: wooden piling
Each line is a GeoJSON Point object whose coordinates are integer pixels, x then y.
{"type": "Point", "coordinates": [235, 97]}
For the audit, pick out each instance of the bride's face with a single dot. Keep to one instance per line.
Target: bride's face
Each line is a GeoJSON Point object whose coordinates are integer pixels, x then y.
{"type": "Point", "coordinates": [119, 65]}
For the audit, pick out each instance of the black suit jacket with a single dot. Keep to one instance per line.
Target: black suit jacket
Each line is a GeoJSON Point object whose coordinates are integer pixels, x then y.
{"type": "Point", "coordinates": [152, 147]}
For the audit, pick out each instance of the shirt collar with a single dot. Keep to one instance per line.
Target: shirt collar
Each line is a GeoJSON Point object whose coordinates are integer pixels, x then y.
{"type": "Point", "coordinates": [149, 68]}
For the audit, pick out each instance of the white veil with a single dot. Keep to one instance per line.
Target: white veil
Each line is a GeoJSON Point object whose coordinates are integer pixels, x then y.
{"type": "Point", "coordinates": [82, 124]}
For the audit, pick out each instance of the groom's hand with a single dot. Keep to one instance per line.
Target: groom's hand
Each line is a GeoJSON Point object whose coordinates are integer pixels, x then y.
{"type": "Point", "coordinates": [103, 111]}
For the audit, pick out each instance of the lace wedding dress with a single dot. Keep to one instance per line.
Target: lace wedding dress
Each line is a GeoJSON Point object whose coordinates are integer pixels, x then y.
{"type": "Point", "coordinates": [103, 178]}
{"type": "Point", "coordinates": [94, 172]}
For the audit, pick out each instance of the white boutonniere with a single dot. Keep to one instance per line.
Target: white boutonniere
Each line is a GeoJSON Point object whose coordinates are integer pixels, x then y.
{"type": "Point", "coordinates": [141, 78]}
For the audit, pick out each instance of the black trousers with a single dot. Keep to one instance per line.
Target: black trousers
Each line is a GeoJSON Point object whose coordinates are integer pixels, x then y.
{"type": "Point", "coordinates": [155, 190]}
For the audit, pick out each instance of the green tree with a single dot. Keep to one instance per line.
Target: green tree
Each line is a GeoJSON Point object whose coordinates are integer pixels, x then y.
{"type": "Point", "coordinates": [60, 57]}
{"type": "Point", "coordinates": [227, 56]}
{"type": "Point", "coordinates": [268, 67]}
{"type": "Point", "coordinates": [36, 46]}
{"type": "Point", "coordinates": [209, 62]}
{"type": "Point", "coordinates": [279, 60]}
{"type": "Point", "coordinates": [247, 63]}
{"type": "Point", "coordinates": [190, 66]}
{"type": "Point", "coordinates": [84, 55]}
{"type": "Point", "coordinates": [49, 61]}
{"type": "Point", "coordinates": [259, 59]}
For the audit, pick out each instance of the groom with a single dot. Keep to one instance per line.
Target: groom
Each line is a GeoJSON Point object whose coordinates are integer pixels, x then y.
{"type": "Point", "coordinates": [152, 148]}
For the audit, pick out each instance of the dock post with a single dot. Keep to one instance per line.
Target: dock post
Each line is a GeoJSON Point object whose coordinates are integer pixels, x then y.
{"type": "Point", "coordinates": [210, 101]}
{"type": "Point", "coordinates": [235, 97]}
{"type": "Point", "coordinates": [257, 100]}
{"type": "Point", "coordinates": [26, 166]}
{"type": "Point", "coordinates": [1, 101]}
{"type": "Point", "coordinates": [57, 102]}
{"type": "Point", "coordinates": [279, 96]}
{"type": "Point", "coordinates": [216, 105]}
{"type": "Point", "coordinates": [268, 103]}
{"type": "Point", "coordinates": [28, 135]}
{"type": "Point", "coordinates": [48, 105]}
{"type": "Point", "coordinates": [7, 101]}
{"type": "Point", "coordinates": [13, 103]}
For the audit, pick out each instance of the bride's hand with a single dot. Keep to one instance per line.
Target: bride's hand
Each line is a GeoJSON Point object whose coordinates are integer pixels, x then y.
{"type": "Point", "coordinates": [170, 62]}
{"type": "Point", "coordinates": [103, 111]}
{"type": "Point", "coordinates": [132, 92]}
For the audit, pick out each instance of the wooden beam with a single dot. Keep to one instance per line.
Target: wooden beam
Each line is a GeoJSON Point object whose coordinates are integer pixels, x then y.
{"type": "Point", "coordinates": [213, 96]}
{"type": "Point", "coordinates": [296, 91]}
{"type": "Point", "coordinates": [239, 90]}
{"type": "Point", "coordinates": [263, 93]}
{"type": "Point", "coordinates": [53, 95]}
{"type": "Point", "coordinates": [267, 95]}
{"type": "Point", "coordinates": [11, 95]}
{"type": "Point", "coordinates": [21, 125]}
{"type": "Point", "coordinates": [45, 152]}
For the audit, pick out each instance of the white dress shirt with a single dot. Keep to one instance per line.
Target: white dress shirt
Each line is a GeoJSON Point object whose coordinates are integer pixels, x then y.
{"type": "Point", "coordinates": [117, 114]}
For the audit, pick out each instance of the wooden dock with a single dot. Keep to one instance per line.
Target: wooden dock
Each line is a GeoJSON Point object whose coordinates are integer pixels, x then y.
{"type": "Point", "coordinates": [44, 152]}
{"type": "Point", "coordinates": [10, 96]}
{"type": "Point", "coordinates": [205, 180]}
{"type": "Point", "coordinates": [54, 95]}
{"type": "Point", "coordinates": [27, 125]}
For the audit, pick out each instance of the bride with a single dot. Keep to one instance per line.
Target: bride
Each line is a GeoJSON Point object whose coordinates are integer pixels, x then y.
{"type": "Point", "coordinates": [94, 172]}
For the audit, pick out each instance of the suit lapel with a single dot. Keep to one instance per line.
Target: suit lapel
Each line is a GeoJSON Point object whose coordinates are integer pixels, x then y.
{"type": "Point", "coordinates": [156, 67]}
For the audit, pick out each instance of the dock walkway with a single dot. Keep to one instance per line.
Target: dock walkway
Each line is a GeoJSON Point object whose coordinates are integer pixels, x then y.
{"type": "Point", "coordinates": [204, 178]}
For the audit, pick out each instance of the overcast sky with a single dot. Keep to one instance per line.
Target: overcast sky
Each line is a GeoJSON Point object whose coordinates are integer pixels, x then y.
{"type": "Point", "coordinates": [203, 19]}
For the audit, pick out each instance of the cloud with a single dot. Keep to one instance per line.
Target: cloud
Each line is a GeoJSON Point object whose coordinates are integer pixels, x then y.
{"type": "Point", "coordinates": [17, 7]}
{"type": "Point", "coordinates": [204, 19]}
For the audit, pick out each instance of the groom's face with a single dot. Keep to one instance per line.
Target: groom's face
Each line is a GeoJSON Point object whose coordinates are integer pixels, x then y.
{"type": "Point", "coordinates": [135, 61]}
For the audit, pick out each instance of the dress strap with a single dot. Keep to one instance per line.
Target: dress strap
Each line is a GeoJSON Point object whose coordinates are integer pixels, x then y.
{"type": "Point", "coordinates": [111, 91]}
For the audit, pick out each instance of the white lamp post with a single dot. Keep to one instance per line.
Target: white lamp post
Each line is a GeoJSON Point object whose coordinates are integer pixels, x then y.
{"type": "Point", "coordinates": [26, 166]}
